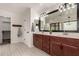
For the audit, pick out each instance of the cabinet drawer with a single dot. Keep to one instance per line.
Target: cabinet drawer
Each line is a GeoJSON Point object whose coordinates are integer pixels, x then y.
{"type": "Point", "coordinates": [70, 50]}
{"type": "Point", "coordinates": [56, 39]}
{"type": "Point", "coordinates": [71, 41]}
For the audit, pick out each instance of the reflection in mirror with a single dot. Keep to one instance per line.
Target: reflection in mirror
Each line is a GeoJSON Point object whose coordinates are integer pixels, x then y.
{"type": "Point", "coordinates": [35, 26]}
{"type": "Point", "coordinates": [71, 26]}
{"type": "Point", "coordinates": [60, 21]}
{"type": "Point", "coordinates": [67, 26]}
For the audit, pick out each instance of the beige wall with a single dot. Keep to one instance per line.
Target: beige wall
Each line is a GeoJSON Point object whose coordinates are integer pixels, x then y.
{"type": "Point", "coordinates": [30, 16]}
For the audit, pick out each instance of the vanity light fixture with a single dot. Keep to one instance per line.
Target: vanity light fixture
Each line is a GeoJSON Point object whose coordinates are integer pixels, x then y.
{"type": "Point", "coordinates": [66, 6]}
{"type": "Point", "coordinates": [44, 14]}
{"type": "Point", "coordinates": [36, 27]}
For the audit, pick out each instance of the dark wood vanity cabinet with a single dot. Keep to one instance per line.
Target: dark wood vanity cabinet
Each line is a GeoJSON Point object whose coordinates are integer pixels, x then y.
{"type": "Point", "coordinates": [61, 46]}
{"type": "Point", "coordinates": [46, 43]}
{"type": "Point", "coordinates": [70, 47]}
{"type": "Point", "coordinates": [37, 41]}
{"type": "Point", "coordinates": [42, 42]}
{"type": "Point", "coordinates": [55, 49]}
{"type": "Point", "coordinates": [57, 46]}
{"type": "Point", "coordinates": [69, 50]}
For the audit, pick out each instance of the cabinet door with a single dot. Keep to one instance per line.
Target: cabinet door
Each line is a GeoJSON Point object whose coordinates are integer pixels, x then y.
{"type": "Point", "coordinates": [37, 41]}
{"type": "Point", "coordinates": [45, 44]}
{"type": "Point", "coordinates": [55, 48]}
{"type": "Point", "coordinates": [69, 50]}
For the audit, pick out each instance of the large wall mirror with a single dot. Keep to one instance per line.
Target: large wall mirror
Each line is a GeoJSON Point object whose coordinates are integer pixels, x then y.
{"type": "Point", "coordinates": [60, 21]}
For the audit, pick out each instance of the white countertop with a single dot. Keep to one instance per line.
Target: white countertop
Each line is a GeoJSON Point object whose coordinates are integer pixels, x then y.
{"type": "Point", "coordinates": [60, 34]}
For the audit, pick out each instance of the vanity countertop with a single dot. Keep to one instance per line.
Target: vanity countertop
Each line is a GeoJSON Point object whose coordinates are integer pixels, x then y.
{"type": "Point", "coordinates": [60, 34]}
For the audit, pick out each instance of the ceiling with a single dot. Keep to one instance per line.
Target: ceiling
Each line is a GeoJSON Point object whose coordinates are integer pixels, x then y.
{"type": "Point", "coordinates": [20, 7]}
{"type": "Point", "coordinates": [47, 7]}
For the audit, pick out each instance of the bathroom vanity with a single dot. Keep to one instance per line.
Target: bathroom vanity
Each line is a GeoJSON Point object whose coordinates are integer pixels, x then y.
{"type": "Point", "coordinates": [63, 39]}
{"type": "Point", "coordinates": [56, 45]}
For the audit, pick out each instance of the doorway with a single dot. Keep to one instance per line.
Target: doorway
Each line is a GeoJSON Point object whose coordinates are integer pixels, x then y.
{"type": "Point", "coordinates": [5, 30]}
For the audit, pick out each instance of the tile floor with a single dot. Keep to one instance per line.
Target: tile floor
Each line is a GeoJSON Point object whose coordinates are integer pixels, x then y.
{"type": "Point", "coordinates": [20, 49]}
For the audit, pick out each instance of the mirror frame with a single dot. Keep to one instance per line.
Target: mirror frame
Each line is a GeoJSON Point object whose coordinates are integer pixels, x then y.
{"type": "Point", "coordinates": [62, 30]}
{"type": "Point", "coordinates": [58, 30]}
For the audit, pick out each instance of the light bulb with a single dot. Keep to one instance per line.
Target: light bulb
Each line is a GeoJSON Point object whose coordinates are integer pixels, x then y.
{"type": "Point", "coordinates": [64, 9]}
{"type": "Point", "coordinates": [36, 18]}
{"type": "Point", "coordinates": [60, 10]}
{"type": "Point", "coordinates": [68, 6]}
{"type": "Point", "coordinates": [36, 27]}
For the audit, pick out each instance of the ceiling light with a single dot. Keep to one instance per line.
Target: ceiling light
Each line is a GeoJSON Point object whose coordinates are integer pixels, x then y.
{"type": "Point", "coordinates": [66, 6]}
